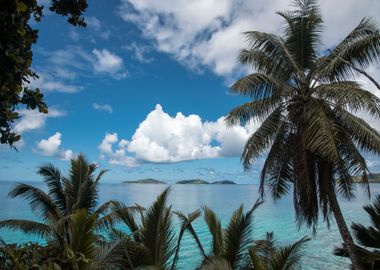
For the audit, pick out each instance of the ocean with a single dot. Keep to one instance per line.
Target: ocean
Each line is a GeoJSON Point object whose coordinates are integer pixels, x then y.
{"type": "Point", "coordinates": [223, 199]}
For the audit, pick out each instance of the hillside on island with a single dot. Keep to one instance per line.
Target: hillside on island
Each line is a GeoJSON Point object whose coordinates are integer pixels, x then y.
{"type": "Point", "coordinates": [182, 182]}
{"type": "Point", "coordinates": [145, 181]}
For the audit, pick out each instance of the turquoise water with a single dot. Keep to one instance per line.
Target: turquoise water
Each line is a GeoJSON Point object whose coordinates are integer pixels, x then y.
{"type": "Point", "coordinates": [223, 199]}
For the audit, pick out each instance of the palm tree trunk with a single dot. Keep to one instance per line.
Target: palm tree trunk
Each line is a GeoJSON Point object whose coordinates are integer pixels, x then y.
{"type": "Point", "coordinates": [344, 231]}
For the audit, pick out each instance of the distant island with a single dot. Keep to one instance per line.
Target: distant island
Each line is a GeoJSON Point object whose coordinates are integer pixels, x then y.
{"type": "Point", "coordinates": [224, 182]}
{"type": "Point", "coordinates": [182, 182]}
{"type": "Point", "coordinates": [193, 181]}
{"type": "Point", "coordinates": [145, 181]}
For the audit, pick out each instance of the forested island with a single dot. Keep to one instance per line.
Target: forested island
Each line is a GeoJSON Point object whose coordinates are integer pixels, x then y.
{"type": "Point", "coordinates": [182, 182]}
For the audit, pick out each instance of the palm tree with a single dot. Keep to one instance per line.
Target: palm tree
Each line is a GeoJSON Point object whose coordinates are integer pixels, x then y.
{"type": "Point", "coordinates": [68, 210]}
{"type": "Point", "coordinates": [306, 103]}
{"type": "Point", "coordinates": [233, 247]}
{"type": "Point", "coordinates": [151, 243]}
{"type": "Point", "coordinates": [229, 246]}
{"type": "Point", "coordinates": [266, 255]}
{"type": "Point", "coordinates": [368, 237]}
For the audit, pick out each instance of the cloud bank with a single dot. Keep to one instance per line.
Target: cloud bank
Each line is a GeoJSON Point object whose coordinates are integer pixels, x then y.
{"type": "Point", "coordinates": [208, 33]}
{"type": "Point", "coordinates": [162, 138]}
{"type": "Point", "coordinates": [51, 147]}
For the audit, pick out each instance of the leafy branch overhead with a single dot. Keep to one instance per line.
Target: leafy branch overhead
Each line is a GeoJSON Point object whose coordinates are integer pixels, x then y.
{"type": "Point", "coordinates": [16, 38]}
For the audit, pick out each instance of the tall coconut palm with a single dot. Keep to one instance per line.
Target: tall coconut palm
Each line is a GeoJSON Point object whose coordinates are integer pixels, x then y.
{"type": "Point", "coordinates": [306, 101]}
{"type": "Point", "coordinates": [367, 237]}
{"type": "Point", "coordinates": [68, 213]}
{"type": "Point", "coordinates": [151, 243]}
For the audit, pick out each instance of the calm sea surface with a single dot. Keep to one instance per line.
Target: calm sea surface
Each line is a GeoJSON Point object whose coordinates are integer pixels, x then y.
{"type": "Point", "coordinates": [277, 217]}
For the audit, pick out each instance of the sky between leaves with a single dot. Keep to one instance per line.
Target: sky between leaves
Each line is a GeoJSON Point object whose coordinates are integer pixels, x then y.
{"type": "Point", "coordinates": [143, 90]}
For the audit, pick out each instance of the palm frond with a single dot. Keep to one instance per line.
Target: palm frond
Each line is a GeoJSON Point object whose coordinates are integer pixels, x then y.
{"type": "Point", "coordinates": [366, 137]}
{"type": "Point", "coordinates": [268, 54]}
{"type": "Point", "coordinates": [217, 263]}
{"type": "Point", "coordinates": [257, 110]}
{"type": "Point", "coordinates": [40, 202]}
{"type": "Point", "coordinates": [263, 250]}
{"type": "Point", "coordinates": [360, 48]}
{"type": "Point", "coordinates": [190, 228]}
{"type": "Point", "coordinates": [158, 235]}
{"type": "Point", "coordinates": [126, 215]}
{"type": "Point", "coordinates": [81, 231]}
{"type": "Point", "coordinates": [303, 27]}
{"type": "Point", "coordinates": [349, 95]}
{"type": "Point", "coordinates": [52, 177]}
{"type": "Point", "coordinates": [277, 171]}
{"type": "Point", "coordinates": [186, 221]}
{"type": "Point", "coordinates": [26, 226]}
{"type": "Point", "coordinates": [215, 228]}
{"type": "Point", "coordinates": [368, 237]}
{"type": "Point", "coordinates": [322, 135]}
{"type": "Point", "coordinates": [238, 235]}
{"type": "Point", "coordinates": [288, 258]}
{"type": "Point", "coordinates": [261, 139]}
{"type": "Point", "coordinates": [112, 256]}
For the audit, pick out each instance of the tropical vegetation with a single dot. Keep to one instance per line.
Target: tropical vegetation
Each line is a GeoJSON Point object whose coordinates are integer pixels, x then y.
{"type": "Point", "coordinates": [69, 217]}
{"type": "Point", "coordinates": [17, 21]}
{"type": "Point", "coordinates": [368, 238]}
{"type": "Point", "coordinates": [80, 235]}
{"type": "Point", "coordinates": [306, 101]}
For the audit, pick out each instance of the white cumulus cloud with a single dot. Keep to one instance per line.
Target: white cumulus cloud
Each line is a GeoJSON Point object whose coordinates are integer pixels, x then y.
{"type": "Point", "coordinates": [107, 62]}
{"type": "Point", "coordinates": [51, 147]}
{"type": "Point", "coordinates": [32, 119]}
{"type": "Point", "coordinates": [162, 138]}
{"type": "Point", "coordinates": [119, 155]}
{"type": "Point", "coordinates": [208, 33]}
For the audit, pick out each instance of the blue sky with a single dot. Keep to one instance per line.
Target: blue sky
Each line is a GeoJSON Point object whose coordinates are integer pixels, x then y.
{"type": "Point", "coordinates": [143, 89]}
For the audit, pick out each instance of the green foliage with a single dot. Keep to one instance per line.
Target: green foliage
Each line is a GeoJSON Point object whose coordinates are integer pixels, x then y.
{"type": "Point", "coordinates": [16, 39]}
{"type": "Point", "coordinates": [33, 256]}
{"type": "Point", "coordinates": [266, 255]}
{"type": "Point", "coordinates": [306, 104]}
{"type": "Point", "coordinates": [70, 219]}
{"type": "Point", "coordinates": [152, 243]}
{"type": "Point", "coordinates": [233, 247]}
{"type": "Point", "coordinates": [367, 237]}
{"type": "Point", "coordinates": [229, 248]}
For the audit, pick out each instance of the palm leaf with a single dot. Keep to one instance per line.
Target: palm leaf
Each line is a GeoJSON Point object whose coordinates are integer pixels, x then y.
{"type": "Point", "coordinates": [349, 95]}
{"type": "Point", "coordinates": [238, 235]}
{"type": "Point", "coordinates": [360, 48]}
{"type": "Point", "coordinates": [52, 177]}
{"type": "Point", "coordinates": [40, 202]}
{"type": "Point", "coordinates": [157, 233]}
{"type": "Point", "coordinates": [261, 139]}
{"type": "Point", "coordinates": [217, 264]}
{"type": "Point", "coordinates": [187, 220]}
{"type": "Point", "coordinates": [81, 233]}
{"type": "Point", "coordinates": [185, 225]}
{"type": "Point", "coordinates": [277, 171]}
{"type": "Point", "coordinates": [26, 226]}
{"type": "Point", "coordinates": [215, 228]}
{"type": "Point", "coordinates": [288, 258]}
